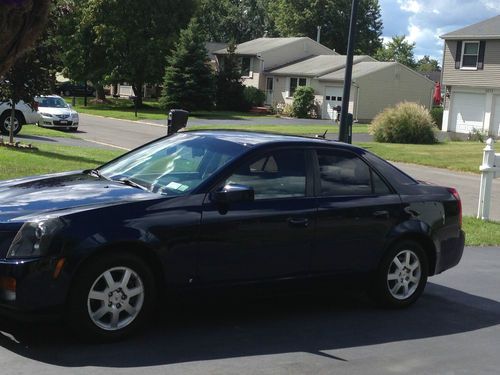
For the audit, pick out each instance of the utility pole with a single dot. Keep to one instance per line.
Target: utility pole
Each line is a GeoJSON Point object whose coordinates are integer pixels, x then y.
{"type": "Point", "coordinates": [344, 130]}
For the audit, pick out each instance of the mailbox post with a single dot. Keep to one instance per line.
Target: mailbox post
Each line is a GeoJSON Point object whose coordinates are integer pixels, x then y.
{"type": "Point", "coordinates": [489, 170]}
{"type": "Point", "coordinates": [177, 119]}
{"type": "Point", "coordinates": [135, 99]}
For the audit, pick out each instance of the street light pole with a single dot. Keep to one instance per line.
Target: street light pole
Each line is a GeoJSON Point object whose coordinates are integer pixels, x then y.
{"type": "Point", "coordinates": [344, 126]}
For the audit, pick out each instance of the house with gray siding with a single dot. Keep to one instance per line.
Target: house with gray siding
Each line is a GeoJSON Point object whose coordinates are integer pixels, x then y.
{"type": "Point", "coordinates": [278, 66]}
{"type": "Point", "coordinates": [471, 78]}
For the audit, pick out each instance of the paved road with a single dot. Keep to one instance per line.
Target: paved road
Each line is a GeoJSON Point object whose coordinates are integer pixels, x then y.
{"type": "Point", "coordinates": [128, 134]}
{"type": "Point", "coordinates": [453, 329]}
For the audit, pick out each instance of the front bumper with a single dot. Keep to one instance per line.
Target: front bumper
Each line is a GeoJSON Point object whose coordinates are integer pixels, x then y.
{"type": "Point", "coordinates": [48, 122]}
{"type": "Point", "coordinates": [36, 288]}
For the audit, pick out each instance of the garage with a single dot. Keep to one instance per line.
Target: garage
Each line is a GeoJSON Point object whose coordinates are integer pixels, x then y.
{"type": "Point", "coordinates": [467, 112]}
{"type": "Point", "coordinates": [333, 98]}
{"type": "Point", "coordinates": [495, 125]}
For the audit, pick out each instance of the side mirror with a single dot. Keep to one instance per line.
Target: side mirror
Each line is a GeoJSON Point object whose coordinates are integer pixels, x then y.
{"type": "Point", "coordinates": [232, 193]}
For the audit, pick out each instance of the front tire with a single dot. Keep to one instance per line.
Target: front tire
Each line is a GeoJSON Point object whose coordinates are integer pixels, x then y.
{"type": "Point", "coordinates": [112, 297]}
{"type": "Point", "coordinates": [5, 123]}
{"type": "Point", "coordinates": [401, 276]}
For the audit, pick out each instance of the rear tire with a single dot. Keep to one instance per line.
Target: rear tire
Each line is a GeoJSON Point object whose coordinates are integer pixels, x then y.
{"type": "Point", "coordinates": [401, 276]}
{"type": "Point", "coordinates": [112, 297]}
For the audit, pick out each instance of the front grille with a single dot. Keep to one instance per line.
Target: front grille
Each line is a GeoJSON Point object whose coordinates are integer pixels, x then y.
{"type": "Point", "coordinates": [63, 117]}
{"type": "Point", "coordinates": [67, 123]}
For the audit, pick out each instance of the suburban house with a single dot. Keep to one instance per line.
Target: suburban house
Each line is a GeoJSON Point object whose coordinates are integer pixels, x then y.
{"type": "Point", "coordinates": [471, 78]}
{"type": "Point", "coordinates": [278, 66]}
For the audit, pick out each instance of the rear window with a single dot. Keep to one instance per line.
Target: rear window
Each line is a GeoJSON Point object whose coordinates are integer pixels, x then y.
{"type": "Point", "coordinates": [389, 171]}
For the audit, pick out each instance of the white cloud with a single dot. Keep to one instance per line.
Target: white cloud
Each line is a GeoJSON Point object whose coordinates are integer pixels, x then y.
{"type": "Point", "coordinates": [423, 21]}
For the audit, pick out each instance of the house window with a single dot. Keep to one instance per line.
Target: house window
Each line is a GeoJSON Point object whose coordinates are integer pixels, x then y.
{"type": "Point", "coordinates": [245, 66]}
{"type": "Point", "coordinates": [294, 83]}
{"type": "Point", "coordinates": [470, 54]}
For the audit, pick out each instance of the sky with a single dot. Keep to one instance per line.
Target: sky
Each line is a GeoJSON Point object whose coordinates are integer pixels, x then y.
{"type": "Point", "coordinates": [423, 21]}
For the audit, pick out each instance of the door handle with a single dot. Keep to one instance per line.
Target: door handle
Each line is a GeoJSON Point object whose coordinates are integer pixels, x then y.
{"type": "Point", "coordinates": [383, 214]}
{"type": "Point", "coordinates": [298, 222]}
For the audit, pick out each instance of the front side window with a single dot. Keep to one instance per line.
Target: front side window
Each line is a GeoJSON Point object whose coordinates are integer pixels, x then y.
{"type": "Point", "coordinates": [175, 165]}
{"type": "Point", "coordinates": [470, 55]}
{"type": "Point", "coordinates": [294, 83]}
{"type": "Point", "coordinates": [346, 174]}
{"type": "Point", "coordinates": [280, 174]}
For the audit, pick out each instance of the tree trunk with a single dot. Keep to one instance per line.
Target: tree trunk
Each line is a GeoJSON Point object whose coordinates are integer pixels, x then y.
{"type": "Point", "coordinates": [100, 95]}
{"type": "Point", "coordinates": [138, 92]}
{"type": "Point", "coordinates": [12, 120]}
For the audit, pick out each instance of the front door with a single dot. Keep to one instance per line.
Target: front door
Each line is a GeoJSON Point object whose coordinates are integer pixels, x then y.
{"type": "Point", "coordinates": [356, 211]}
{"type": "Point", "coordinates": [270, 237]}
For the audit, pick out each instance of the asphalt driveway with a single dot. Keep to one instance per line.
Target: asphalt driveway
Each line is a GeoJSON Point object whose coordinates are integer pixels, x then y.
{"type": "Point", "coordinates": [453, 329]}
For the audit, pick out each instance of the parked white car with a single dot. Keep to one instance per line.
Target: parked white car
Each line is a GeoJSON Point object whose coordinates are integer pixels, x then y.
{"type": "Point", "coordinates": [56, 113]}
{"type": "Point", "coordinates": [25, 114]}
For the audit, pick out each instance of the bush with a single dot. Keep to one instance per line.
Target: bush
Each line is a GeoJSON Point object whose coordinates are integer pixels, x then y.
{"type": "Point", "coordinates": [254, 97]}
{"type": "Point", "coordinates": [303, 101]}
{"type": "Point", "coordinates": [437, 116]}
{"type": "Point", "coordinates": [405, 123]}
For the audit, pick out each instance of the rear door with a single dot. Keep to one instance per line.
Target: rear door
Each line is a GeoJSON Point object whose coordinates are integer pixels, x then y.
{"type": "Point", "coordinates": [270, 237]}
{"type": "Point", "coordinates": [356, 210]}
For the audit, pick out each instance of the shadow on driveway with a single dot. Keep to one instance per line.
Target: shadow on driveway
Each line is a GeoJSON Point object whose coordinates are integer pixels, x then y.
{"type": "Point", "coordinates": [197, 331]}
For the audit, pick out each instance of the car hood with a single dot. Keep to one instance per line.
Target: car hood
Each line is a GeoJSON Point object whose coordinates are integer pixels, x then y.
{"type": "Point", "coordinates": [41, 195]}
{"type": "Point", "coordinates": [56, 111]}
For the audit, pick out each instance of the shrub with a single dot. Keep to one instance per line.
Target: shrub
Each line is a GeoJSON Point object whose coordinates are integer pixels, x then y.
{"type": "Point", "coordinates": [437, 116]}
{"type": "Point", "coordinates": [254, 97]}
{"type": "Point", "coordinates": [405, 123]}
{"type": "Point", "coordinates": [303, 101]}
{"type": "Point", "coordinates": [284, 109]}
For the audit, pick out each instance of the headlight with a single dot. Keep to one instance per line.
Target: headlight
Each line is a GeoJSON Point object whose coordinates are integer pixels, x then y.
{"type": "Point", "coordinates": [34, 238]}
{"type": "Point", "coordinates": [75, 116]}
{"type": "Point", "coordinates": [45, 114]}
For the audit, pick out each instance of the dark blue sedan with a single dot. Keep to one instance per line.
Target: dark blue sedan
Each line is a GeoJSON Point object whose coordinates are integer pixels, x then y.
{"type": "Point", "coordinates": [212, 208]}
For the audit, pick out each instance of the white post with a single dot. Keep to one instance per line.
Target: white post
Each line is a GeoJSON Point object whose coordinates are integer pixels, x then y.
{"type": "Point", "coordinates": [487, 172]}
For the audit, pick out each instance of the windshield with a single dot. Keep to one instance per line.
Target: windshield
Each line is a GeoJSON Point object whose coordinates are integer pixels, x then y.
{"type": "Point", "coordinates": [174, 165]}
{"type": "Point", "coordinates": [52, 102]}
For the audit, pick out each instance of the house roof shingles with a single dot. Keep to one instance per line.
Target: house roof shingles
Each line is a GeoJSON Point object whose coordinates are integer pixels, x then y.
{"type": "Point", "coordinates": [316, 66]}
{"type": "Point", "coordinates": [487, 29]}
{"type": "Point", "coordinates": [257, 46]}
{"type": "Point", "coordinates": [358, 70]}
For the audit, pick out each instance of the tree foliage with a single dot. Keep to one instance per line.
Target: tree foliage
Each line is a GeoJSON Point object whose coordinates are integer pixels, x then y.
{"type": "Point", "coordinates": [426, 64]}
{"type": "Point", "coordinates": [301, 18]}
{"type": "Point", "coordinates": [398, 49]}
{"type": "Point", "coordinates": [230, 90]}
{"type": "Point", "coordinates": [235, 20]}
{"type": "Point", "coordinates": [189, 81]}
{"type": "Point", "coordinates": [21, 22]}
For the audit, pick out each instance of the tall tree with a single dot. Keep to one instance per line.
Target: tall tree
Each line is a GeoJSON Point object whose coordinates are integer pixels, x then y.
{"type": "Point", "coordinates": [189, 80]}
{"type": "Point", "coordinates": [235, 20]}
{"type": "Point", "coordinates": [127, 40]}
{"type": "Point", "coordinates": [302, 17]}
{"type": "Point", "coordinates": [426, 64]}
{"type": "Point", "coordinates": [21, 22]}
{"type": "Point", "coordinates": [230, 89]}
{"type": "Point", "coordinates": [398, 49]}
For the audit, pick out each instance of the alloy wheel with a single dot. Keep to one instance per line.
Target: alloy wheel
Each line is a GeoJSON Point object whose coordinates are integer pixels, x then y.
{"type": "Point", "coordinates": [404, 274]}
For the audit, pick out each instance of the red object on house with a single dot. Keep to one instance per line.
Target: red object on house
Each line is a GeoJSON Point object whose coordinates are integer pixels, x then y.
{"type": "Point", "coordinates": [437, 94]}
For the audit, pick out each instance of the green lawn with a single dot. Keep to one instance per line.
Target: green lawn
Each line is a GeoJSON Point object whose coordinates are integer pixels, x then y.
{"type": "Point", "coordinates": [49, 159]}
{"type": "Point", "coordinates": [295, 129]}
{"type": "Point", "coordinates": [44, 132]}
{"type": "Point", "coordinates": [481, 233]}
{"type": "Point", "coordinates": [458, 156]}
{"type": "Point", "coordinates": [124, 109]}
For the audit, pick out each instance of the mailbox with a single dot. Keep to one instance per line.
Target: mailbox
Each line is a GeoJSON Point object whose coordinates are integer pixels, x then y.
{"type": "Point", "coordinates": [177, 119]}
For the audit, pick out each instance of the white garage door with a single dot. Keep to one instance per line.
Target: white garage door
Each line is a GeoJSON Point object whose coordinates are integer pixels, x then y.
{"type": "Point", "coordinates": [495, 126]}
{"type": "Point", "coordinates": [332, 99]}
{"type": "Point", "coordinates": [467, 112]}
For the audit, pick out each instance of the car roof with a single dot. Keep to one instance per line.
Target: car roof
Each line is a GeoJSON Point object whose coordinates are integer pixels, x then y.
{"type": "Point", "coordinates": [251, 138]}
{"type": "Point", "coordinates": [49, 96]}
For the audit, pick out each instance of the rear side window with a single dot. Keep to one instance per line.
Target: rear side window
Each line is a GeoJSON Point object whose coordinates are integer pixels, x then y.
{"type": "Point", "coordinates": [344, 173]}
{"type": "Point", "coordinates": [279, 174]}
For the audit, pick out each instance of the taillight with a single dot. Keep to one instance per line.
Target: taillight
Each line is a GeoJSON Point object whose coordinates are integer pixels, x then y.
{"type": "Point", "coordinates": [455, 194]}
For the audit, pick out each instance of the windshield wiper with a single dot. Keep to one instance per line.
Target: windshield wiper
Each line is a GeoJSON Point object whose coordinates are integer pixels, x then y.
{"type": "Point", "coordinates": [129, 182]}
{"type": "Point", "coordinates": [94, 172]}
